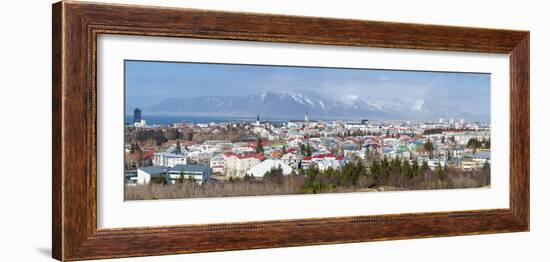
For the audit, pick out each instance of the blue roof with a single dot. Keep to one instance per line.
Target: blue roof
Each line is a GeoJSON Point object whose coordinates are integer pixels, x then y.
{"type": "Point", "coordinates": [190, 168]}
{"type": "Point", "coordinates": [153, 170]}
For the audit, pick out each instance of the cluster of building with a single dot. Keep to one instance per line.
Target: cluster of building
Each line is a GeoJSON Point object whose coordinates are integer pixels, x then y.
{"type": "Point", "coordinates": [305, 144]}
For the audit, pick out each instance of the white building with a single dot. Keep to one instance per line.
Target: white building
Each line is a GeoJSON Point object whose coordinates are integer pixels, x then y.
{"type": "Point", "coordinates": [355, 126]}
{"type": "Point", "coordinates": [141, 123]}
{"type": "Point", "coordinates": [238, 164]}
{"type": "Point", "coordinates": [166, 159]}
{"type": "Point", "coordinates": [198, 173]}
{"type": "Point", "coordinates": [434, 163]}
{"type": "Point", "coordinates": [291, 159]}
{"type": "Point", "coordinates": [144, 174]}
{"type": "Point", "coordinates": [217, 164]}
{"type": "Point", "coordinates": [265, 166]}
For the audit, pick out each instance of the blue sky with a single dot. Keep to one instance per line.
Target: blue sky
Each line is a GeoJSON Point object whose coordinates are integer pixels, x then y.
{"type": "Point", "coordinates": [149, 83]}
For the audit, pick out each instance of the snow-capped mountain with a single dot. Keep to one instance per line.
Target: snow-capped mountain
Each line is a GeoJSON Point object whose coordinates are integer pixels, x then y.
{"type": "Point", "coordinates": [294, 105]}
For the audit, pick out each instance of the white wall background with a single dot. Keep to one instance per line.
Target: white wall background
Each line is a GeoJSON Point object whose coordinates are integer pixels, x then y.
{"type": "Point", "coordinates": [25, 130]}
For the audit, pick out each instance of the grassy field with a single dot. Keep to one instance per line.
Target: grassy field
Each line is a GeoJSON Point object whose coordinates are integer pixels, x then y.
{"type": "Point", "coordinates": [309, 184]}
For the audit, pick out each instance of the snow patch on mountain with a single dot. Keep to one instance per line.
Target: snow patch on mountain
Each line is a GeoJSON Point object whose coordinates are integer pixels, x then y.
{"type": "Point", "coordinates": [295, 104]}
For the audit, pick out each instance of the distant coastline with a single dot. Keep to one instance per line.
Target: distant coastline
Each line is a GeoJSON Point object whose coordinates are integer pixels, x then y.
{"type": "Point", "coordinates": [171, 119]}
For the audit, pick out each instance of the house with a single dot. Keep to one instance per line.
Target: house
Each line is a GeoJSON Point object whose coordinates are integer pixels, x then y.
{"type": "Point", "coordinates": [295, 142]}
{"type": "Point", "coordinates": [325, 164]}
{"type": "Point", "coordinates": [306, 162]}
{"type": "Point", "coordinates": [276, 153]}
{"type": "Point", "coordinates": [166, 159]}
{"type": "Point", "coordinates": [259, 170]}
{"type": "Point", "coordinates": [238, 164]}
{"type": "Point", "coordinates": [457, 152]}
{"type": "Point", "coordinates": [217, 164]}
{"type": "Point", "coordinates": [291, 159]}
{"type": "Point", "coordinates": [310, 161]}
{"type": "Point", "coordinates": [372, 147]}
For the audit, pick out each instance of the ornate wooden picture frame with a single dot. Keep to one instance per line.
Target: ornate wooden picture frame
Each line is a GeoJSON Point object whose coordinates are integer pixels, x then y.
{"type": "Point", "coordinates": [76, 26]}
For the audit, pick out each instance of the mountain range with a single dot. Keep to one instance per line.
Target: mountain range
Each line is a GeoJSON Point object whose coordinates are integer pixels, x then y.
{"type": "Point", "coordinates": [294, 105]}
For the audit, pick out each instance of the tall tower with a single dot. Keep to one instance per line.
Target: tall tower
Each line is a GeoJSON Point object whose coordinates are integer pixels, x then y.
{"type": "Point", "coordinates": [306, 117]}
{"type": "Point", "coordinates": [258, 119]}
{"type": "Point", "coordinates": [137, 115]}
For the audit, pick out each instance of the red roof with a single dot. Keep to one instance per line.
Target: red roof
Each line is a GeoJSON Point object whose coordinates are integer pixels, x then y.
{"type": "Point", "coordinates": [148, 154]}
{"type": "Point", "coordinates": [323, 156]}
{"type": "Point", "coordinates": [242, 156]}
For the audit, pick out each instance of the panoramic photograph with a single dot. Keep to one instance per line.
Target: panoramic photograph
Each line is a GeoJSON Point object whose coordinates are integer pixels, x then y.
{"type": "Point", "coordinates": [198, 130]}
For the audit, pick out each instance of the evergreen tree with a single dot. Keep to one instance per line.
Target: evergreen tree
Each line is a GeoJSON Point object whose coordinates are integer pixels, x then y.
{"type": "Point", "coordinates": [439, 172]}
{"type": "Point", "coordinates": [312, 185]}
{"type": "Point", "coordinates": [473, 143]}
{"type": "Point", "coordinates": [429, 146]}
{"type": "Point", "coordinates": [178, 148]}
{"type": "Point", "coordinates": [375, 172]}
{"type": "Point", "coordinates": [406, 170]}
{"type": "Point", "coordinates": [259, 146]}
{"type": "Point", "coordinates": [274, 175]}
{"type": "Point", "coordinates": [385, 166]}
{"type": "Point", "coordinates": [424, 167]}
{"type": "Point", "coordinates": [181, 178]}
{"type": "Point", "coordinates": [360, 168]}
{"type": "Point", "coordinates": [415, 168]}
{"type": "Point", "coordinates": [395, 167]}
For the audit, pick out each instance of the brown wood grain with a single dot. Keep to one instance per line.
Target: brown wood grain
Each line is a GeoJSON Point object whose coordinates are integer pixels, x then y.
{"type": "Point", "coordinates": [75, 28]}
{"type": "Point", "coordinates": [57, 192]}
